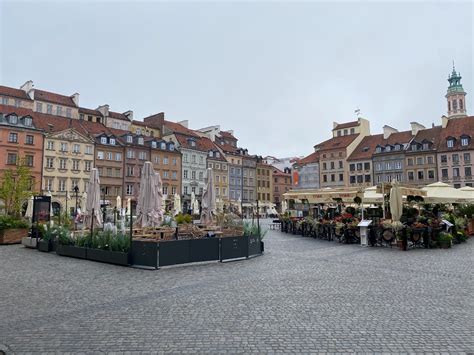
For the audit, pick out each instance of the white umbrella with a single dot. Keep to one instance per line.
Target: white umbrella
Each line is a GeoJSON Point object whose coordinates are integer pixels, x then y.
{"type": "Point", "coordinates": [129, 205]}
{"type": "Point", "coordinates": [193, 201]}
{"type": "Point", "coordinates": [29, 208]}
{"type": "Point", "coordinates": [149, 213]}
{"type": "Point", "coordinates": [208, 203]}
{"type": "Point", "coordinates": [239, 205]}
{"type": "Point", "coordinates": [196, 206]}
{"type": "Point", "coordinates": [396, 201]}
{"type": "Point", "coordinates": [177, 204]}
{"type": "Point", "coordinates": [93, 200]}
{"type": "Point", "coordinates": [119, 203]}
{"type": "Point", "coordinates": [468, 192]}
{"type": "Point", "coordinates": [284, 206]}
{"type": "Point", "coordinates": [439, 192]}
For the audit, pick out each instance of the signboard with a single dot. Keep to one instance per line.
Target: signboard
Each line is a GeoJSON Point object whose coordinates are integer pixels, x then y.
{"type": "Point", "coordinates": [364, 223]}
{"type": "Point", "coordinates": [41, 209]}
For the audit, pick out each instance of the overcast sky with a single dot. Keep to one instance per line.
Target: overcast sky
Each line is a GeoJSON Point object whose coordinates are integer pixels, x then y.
{"type": "Point", "coordinates": [278, 74]}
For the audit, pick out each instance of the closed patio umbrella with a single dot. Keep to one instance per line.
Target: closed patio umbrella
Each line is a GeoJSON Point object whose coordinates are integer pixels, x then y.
{"type": "Point", "coordinates": [177, 204]}
{"type": "Point", "coordinates": [149, 206]}
{"type": "Point", "coordinates": [208, 204]}
{"type": "Point", "coordinates": [29, 208]}
{"type": "Point", "coordinates": [93, 200]}
{"type": "Point", "coordinates": [193, 202]}
{"type": "Point", "coordinates": [396, 201]}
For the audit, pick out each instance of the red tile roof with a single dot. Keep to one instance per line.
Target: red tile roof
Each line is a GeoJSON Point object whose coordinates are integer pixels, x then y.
{"type": "Point", "coordinates": [140, 123]}
{"type": "Point", "coordinates": [203, 144]}
{"type": "Point", "coordinates": [226, 134]}
{"type": "Point", "coordinates": [278, 172]}
{"type": "Point", "coordinates": [346, 125]}
{"type": "Point", "coordinates": [178, 128]}
{"type": "Point", "coordinates": [429, 134]}
{"type": "Point", "coordinates": [51, 97]}
{"type": "Point", "coordinates": [456, 128]}
{"type": "Point", "coordinates": [118, 115]}
{"type": "Point", "coordinates": [89, 111]}
{"type": "Point", "coordinates": [398, 137]}
{"type": "Point", "coordinates": [337, 142]}
{"type": "Point", "coordinates": [366, 147]}
{"type": "Point", "coordinates": [18, 93]}
{"type": "Point", "coordinates": [312, 158]}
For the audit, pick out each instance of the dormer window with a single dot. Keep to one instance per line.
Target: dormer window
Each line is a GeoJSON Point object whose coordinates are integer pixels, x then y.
{"type": "Point", "coordinates": [218, 154]}
{"type": "Point", "coordinates": [414, 147]}
{"type": "Point", "coordinates": [112, 141]}
{"type": "Point", "coordinates": [153, 144]}
{"type": "Point", "coordinates": [171, 146]}
{"type": "Point", "coordinates": [140, 140]}
{"type": "Point", "coordinates": [425, 146]}
{"type": "Point", "coordinates": [210, 153]}
{"type": "Point", "coordinates": [450, 143]}
{"type": "Point", "coordinates": [193, 143]}
{"type": "Point", "coordinates": [13, 119]}
{"type": "Point", "coordinates": [28, 121]}
{"type": "Point", "coordinates": [464, 141]}
{"type": "Point", "coordinates": [103, 140]}
{"type": "Point", "coordinates": [388, 148]}
{"type": "Point", "coordinates": [129, 139]}
{"type": "Point", "coordinates": [138, 131]}
{"type": "Point", "coordinates": [397, 146]}
{"type": "Point", "coordinates": [378, 149]}
{"type": "Point", "coordinates": [163, 145]}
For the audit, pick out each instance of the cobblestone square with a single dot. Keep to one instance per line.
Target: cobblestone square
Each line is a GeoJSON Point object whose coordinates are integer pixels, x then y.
{"type": "Point", "coordinates": [302, 296]}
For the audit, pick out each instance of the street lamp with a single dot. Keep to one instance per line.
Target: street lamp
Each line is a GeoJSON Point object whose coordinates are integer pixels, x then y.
{"type": "Point", "coordinates": [76, 191]}
{"type": "Point", "coordinates": [103, 201]}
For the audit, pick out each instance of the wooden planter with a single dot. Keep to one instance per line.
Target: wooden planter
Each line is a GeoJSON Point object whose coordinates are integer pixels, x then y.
{"type": "Point", "coordinates": [12, 236]}
{"type": "Point", "coordinates": [107, 256]}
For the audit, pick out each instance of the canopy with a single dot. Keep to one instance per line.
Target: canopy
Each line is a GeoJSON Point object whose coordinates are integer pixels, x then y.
{"type": "Point", "coordinates": [468, 192]}
{"type": "Point", "coordinates": [439, 192]}
{"type": "Point", "coordinates": [372, 196]}
{"type": "Point", "coordinates": [326, 195]}
{"type": "Point", "coordinates": [93, 200]}
{"type": "Point", "coordinates": [208, 204]}
{"type": "Point", "coordinates": [149, 213]}
{"type": "Point", "coordinates": [396, 201]}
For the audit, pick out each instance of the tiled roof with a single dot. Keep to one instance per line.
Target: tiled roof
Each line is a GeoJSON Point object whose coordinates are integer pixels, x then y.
{"type": "Point", "coordinates": [398, 137]}
{"type": "Point", "coordinates": [178, 128]}
{"type": "Point", "coordinates": [312, 158]}
{"type": "Point", "coordinates": [227, 135]}
{"type": "Point", "coordinates": [456, 128]}
{"type": "Point", "coordinates": [366, 147]}
{"type": "Point", "coordinates": [47, 96]}
{"type": "Point", "coordinates": [337, 142]}
{"type": "Point", "coordinates": [117, 115]}
{"type": "Point", "coordinates": [89, 111]}
{"type": "Point", "coordinates": [429, 134]}
{"type": "Point", "coordinates": [18, 93]}
{"type": "Point", "coordinates": [139, 123]}
{"type": "Point", "coordinates": [203, 144]}
{"type": "Point", "coordinates": [278, 172]}
{"type": "Point", "coordinates": [346, 125]}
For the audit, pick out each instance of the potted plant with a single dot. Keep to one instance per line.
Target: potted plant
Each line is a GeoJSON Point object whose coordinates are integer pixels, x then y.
{"type": "Point", "coordinates": [108, 247]}
{"type": "Point", "coordinates": [444, 240]}
{"type": "Point", "coordinates": [12, 230]}
{"type": "Point", "coordinates": [48, 235]}
{"type": "Point", "coordinates": [399, 230]}
{"type": "Point", "coordinates": [69, 246]}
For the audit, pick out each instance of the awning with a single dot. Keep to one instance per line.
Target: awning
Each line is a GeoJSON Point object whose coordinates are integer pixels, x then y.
{"type": "Point", "coordinates": [439, 192]}
{"type": "Point", "coordinates": [327, 195]}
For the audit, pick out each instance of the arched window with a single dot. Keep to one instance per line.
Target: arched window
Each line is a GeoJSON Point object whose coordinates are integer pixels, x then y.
{"type": "Point", "coordinates": [461, 105]}
{"type": "Point", "coordinates": [449, 105]}
{"type": "Point", "coordinates": [455, 104]}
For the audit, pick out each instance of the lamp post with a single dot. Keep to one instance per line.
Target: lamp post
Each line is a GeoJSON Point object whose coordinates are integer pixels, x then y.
{"type": "Point", "coordinates": [103, 201]}
{"type": "Point", "coordinates": [76, 191]}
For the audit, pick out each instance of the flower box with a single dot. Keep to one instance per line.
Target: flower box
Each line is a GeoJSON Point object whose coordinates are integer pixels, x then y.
{"type": "Point", "coordinates": [45, 245]}
{"type": "Point", "coordinates": [107, 256]}
{"type": "Point", "coordinates": [72, 251]}
{"type": "Point", "coordinates": [29, 242]}
{"type": "Point", "coordinates": [12, 236]}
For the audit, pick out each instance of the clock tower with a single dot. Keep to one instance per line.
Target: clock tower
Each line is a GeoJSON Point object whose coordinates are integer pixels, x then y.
{"type": "Point", "coordinates": [456, 96]}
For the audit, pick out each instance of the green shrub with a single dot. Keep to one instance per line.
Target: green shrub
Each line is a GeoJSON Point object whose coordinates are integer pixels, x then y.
{"type": "Point", "coordinates": [444, 237]}
{"type": "Point", "coordinates": [253, 229]}
{"type": "Point", "coordinates": [183, 218]}
{"type": "Point", "coordinates": [459, 237]}
{"type": "Point", "coordinates": [466, 210]}
{"type": "Point", "coordinates": [10, 222]}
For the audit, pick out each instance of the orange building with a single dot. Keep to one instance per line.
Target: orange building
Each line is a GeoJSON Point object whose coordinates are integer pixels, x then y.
{"type": "Point", "coordinates": [21, 141]}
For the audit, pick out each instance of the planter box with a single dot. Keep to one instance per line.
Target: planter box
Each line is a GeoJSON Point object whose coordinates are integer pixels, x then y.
{"type": "Point", "coordinates": [29, 242]}
{"type": "Point", "coordinates": [444, 244]}
{"type": "Point", "coordinates": [107, 256]}
{"type": "Point", "coordinates": [72, 251]}
{"type": "Point", "coordinates": [12, 236]}
{"type": "Point", "coordinates": [45, 246]}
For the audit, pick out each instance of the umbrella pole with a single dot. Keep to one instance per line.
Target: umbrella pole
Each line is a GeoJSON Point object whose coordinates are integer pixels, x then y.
{"type": "Point", "coordinates": [383, 201]}
{"type": "Point", "coordinates": [131, 236]}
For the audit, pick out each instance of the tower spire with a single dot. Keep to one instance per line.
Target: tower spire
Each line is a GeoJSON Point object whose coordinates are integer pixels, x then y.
{"type": "Point", "coordinates": [455, 95]}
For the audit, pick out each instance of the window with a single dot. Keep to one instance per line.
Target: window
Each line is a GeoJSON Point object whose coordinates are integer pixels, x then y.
{"type": "Point", "coordinates": [360, 179]}
{"type": "Point", "coordinates": [175, 161]}
{"type": "Point", "coordinates": [165, 174]}
{"type": "Point", "coordinates": [411, 176]}
{"type": "Point", "coordinates": [157, 159]}
{"type": "Point", "coordinates": [171, 146]}
{"type": "Point", "coordinates": [397, 147]}
{"type": "Point", "coordinates": [87, 165]}
{"type": "Point", "coordinates": [359, 166]}
{"type": "Point", "coordinates": [89, 149]}
{"type": "Point", "coordinates": [378, 166]}
{"type": "Point", "coordinates": [103, 140]}
{"type": "Point", "coordinates": [325, 178]}
{"type": "Point", "coordinates": [193, 175]}
{"type": "Point", "coordinates": [29, 160]}
{"type": "Point", "coordinates": [29, 139]}
{"type": "Point", "coordinates": [100, 155]}
{"type": "Point", "coordinates": [112, 141]}
{"type": "Point", "coordinates": [62, 185]}
{"type": "Point", "coordinates": [419, 161]}
{"type": "Point", "coordinates": [455, 158]}
{"type": "Point", "coordinates": [444, 173]}
{"type": "Point", "coordinates": [130, 170]}
{"type": "Point", "coordinates": [118, 172]}
{"type": "Point", "coordinates": [185, 190]}
{"type": "Point", "coordinates": [378, 149]}
{"type": "Point", "coordinates": [410, 162]}
{"type": "Point", "coordinates": [64, 147]}
{"type": "Point", "coordinates": [444, 159]}
{"type": "Point", "coordinates": [165, 160]}
{"type": "Point", "coordinates": [431, 174]}
{"type": "Point", "coordinates": [142, 155]}
{"type": "Point", "coordinates": [467, 171]}
{"type": "Point", "coordinates": [109, 171]}
{"type": "Point", "coordinates": [366, 166]}
{"type": "Point", "coordinates": [130, 154]}
{"type": "Point", "coordinates": [173, 188]}
{"type": "Point", "coordinates": [455, 104]}
{"type": "Point", "coordinates": [109, 155]}
{"type": "Point", "coordinates": [425, 146]}
{"type": "Point", "coordinates": [324, 166]}
{"type": "Point", "coordinates": [352, 130]}
{"type": "Point", "coordinates": [450, 143]}
{"type": "Point", "coordinates": [129, 189]}
{"type": "Point", "coordinates": [11, 158]}
{"type": "Point", "coordinates": [138, 131]}
{"type": "Point", "coordinates": [201, 160]}
{"type": "Point", "coordinates": [333, 177]}
{"type": "Point", "coordinates": [130, 139]}
{"type": "Point", "coordinates": [388, 148]}
{"type": "Point", "coordinates": [39, 107]}
{"type": "Point", "coordinates": [341, 177]}
{"type": "Point", "coordinates": [75, 165]}
{"type": "Point", "coordinates": [467, 157]}
{"type": "Point", "coordinates": [367, 178]}
{"type": "Point", "coordinates": [455, 172]}
{"type": "Point", "coordinates": [429, 160]}
{"type": "Point", "coordinates": [4, 100]}
{"type": "Point", "coordinates": [345, 132]}
{"type": "Point", "coordinates": [464, 141]}
{"type": "Point", "coordinates": [163, 145]}
{"type": "Point", "coordinates": [49, 109]}
{"type": "Point", "coordinates": [50, 145]}
{"type": "Point", "coordinates": [59, 111]}
{"type": "Point", "coordinates": [398, 165]}
{"type": "Point", "coordinates": [153, 144]}
{"type": "Point", "coordinates": [13, 137]}
{"type": "Point", "coordinates": [352, 179]}
{"type": "Point", "coordinates": [461, 105]}
{"type": "Point", "coordinates": [68, 112]}
{"type": "Point", "coordinates": [175, 175]}
{"type": "Point", "coordinates": [50, 163]}
{"type": "Point", "coordinates": [185, 174]}
{"type": "Point", "coordinates": [341, 165]}
{"type": "Point", "coordinates": [165, 190]}
{"type": "Point", "coordinates": [140, 140]}
{"type": "Point", "coordinates": [420, 175]}
{"type": "Point", "coordinates": [62, 164]}
{"type": "Point", "coordinates": [48, 185]}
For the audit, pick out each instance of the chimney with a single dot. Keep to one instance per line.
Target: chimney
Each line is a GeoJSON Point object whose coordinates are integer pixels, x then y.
{"type": "Point", "coordinates": [75, 98]}
{"type": "Point", "coordinates": [184, 123]}
{"type": "Point", "coordinates": [129, 115]}
{"type": "Point", "coordinates": [415, 127]}
{"type": "Point", "coordinates": [444, 121]}
{"type": "Point", "coordinates": [28, 88]}
{"type": "Point", "coordinates": [104, 110]}
{"type": "Point", "coordinates": [387, 131]}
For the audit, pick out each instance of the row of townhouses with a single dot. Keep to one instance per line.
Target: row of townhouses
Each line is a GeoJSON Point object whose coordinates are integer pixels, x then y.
{"type": "Point", "coordinates": [61, 142]}
{"type": "Point", "coordinates": [417, 156]}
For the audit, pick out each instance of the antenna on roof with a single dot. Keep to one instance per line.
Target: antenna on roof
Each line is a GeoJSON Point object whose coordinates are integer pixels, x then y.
{"type": "Point", "coordinates": [357, 112]}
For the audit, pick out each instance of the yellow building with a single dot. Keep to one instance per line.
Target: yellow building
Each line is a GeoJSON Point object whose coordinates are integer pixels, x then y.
{"type": "Point", "coordinates": [264, 187]}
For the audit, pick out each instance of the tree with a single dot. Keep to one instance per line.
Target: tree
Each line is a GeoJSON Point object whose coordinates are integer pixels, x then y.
{"type": "Point", "coordinates": [15, 188]}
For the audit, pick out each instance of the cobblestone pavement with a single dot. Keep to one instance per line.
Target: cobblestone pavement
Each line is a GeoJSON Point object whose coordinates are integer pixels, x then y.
{"type": "Point", "coordinates": [302, 296]}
